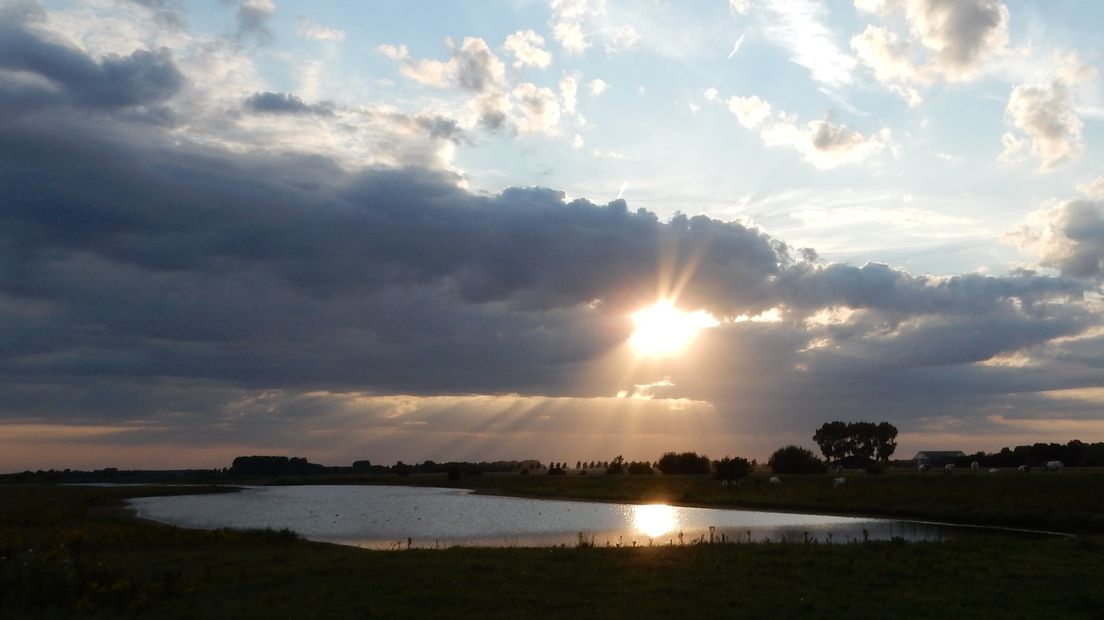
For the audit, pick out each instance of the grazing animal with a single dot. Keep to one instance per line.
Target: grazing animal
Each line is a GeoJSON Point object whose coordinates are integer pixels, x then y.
{"type": "Point", "coordinates": [775, 480]}
{"type": "Point", "coordinates": [1024, 468]}
{"type": "Point", "coordinates": [839, 481]}
{"type": "Point", "coordinates": [922, 468]}
{"type": "Point", "coordinates": [994, 470]}
{"type": "Point", "coordinates": [724, 484]}
{"type": "Point", "coordinates": [1054, 465]}
{"type": "Point", "coordinates": [975, 465]}
{"type": "Point", "coordinates": [949, 468]}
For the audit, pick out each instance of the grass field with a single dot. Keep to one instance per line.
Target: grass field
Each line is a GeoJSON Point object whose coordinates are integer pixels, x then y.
{"type": "Point", "coordinates": [70, 552]}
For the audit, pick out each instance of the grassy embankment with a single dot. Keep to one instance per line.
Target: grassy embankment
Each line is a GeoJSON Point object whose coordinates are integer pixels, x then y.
{"type": "Point", "coordinates": [68, 551]}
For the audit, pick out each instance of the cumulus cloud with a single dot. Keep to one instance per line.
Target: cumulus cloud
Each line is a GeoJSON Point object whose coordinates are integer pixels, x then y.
{"type": "Point", "coordinates": [569, 92]}
{"type": "Point", "coordinates": [308, 28]}
{"type": "Point", "coordinates": [749, 111]}
{"type": "Point", "coordinates": [283, 103]}
{"type": "Point", "coordinates": [576, 24]}
{"type": "Point", "coordinates": [473, 67]}
{"type": "Point", "coordinates": [1093, 188]}
{"type": "Point", "coordinates": [739, 7]}
{"type": "Point", "coordinates": [824, 144]}
{"type": "Point", "coordinates": [597, 87]}
{"type": "Point", "coordinates": [65, 75]}
{"type": "Point", "coordinates": [528, 48]}
{"type": "Point", "coordinates": [943, 40]}
{"type": "Point", "coordinates": [540, 111]}
{"type": "Point", "coordinates": [1068, 237]}
{"type": "Point", "coordinates": [1045, 115]}
{"type": "Point", "coordinates": [240, 279]}
{"type": "Point", "coordinates": [253, 17]}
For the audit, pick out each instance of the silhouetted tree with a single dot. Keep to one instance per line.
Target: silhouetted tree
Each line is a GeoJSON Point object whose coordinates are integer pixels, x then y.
{"type": "Point", "coordinates": [885, 441]}
{"type": "Point", "coordinates": [795, 460]}
{"type": "Point", "coordinates": [832, 437]}
{"type": "Point", "coordinates": [732, 468]}
{"type": "Point", "coordinates": [683, 463]}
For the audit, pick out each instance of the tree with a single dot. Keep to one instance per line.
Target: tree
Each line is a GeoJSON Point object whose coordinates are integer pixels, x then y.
{"type": "Point", "coordinates": [832, 437]}
{"type": "Point", "coordinates": [795, 460]}
{"type": "Point", "coordinates": [885, 441]}
{"type": "Point", "coordinates": [684, 463]}
{"type": "Point", "coordinates": [732, 468]}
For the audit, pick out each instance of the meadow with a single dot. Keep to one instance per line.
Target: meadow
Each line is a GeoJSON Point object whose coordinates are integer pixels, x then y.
{"type": "Point", "coordinates": [73, 552]}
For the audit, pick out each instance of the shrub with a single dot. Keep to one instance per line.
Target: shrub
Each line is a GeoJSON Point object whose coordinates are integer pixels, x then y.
{"type": "Point", "coordinates": [795, 460]}
{"type": "Point", "coordinates": [732, 468]}
{"type": "Point", "coordinates": [640, 468]}
{"type": "Point", "coordinates": [684, 463]}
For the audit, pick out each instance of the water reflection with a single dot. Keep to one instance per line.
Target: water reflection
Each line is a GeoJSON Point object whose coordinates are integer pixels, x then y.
{"type": "Point", "coordinates": [654, 519]}
{"type": "Point", "coordinates": [398, 517]}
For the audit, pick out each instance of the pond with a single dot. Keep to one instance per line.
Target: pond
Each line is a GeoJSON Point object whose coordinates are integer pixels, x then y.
{"type": "Point", "coordinates": [389, 517]}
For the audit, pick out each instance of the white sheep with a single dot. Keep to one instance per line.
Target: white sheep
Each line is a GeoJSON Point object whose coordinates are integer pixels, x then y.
{"type": "Point", "coordinates": [1054, 465]}
{"type": "Point", "coordinates": [949, 468]}
{"type": "Point", "coordinates": [775, 480]}
{"type": "Point", "coordinates": [994, 470]}
{"type": "Point", "coordinates": [839, 481]}
{"type": "Point", "coordinates": [1024, 468]}
{"type": "Point", "coordinates": [921, 468]}
{"type": "Point", "coordinates": [975, 465]}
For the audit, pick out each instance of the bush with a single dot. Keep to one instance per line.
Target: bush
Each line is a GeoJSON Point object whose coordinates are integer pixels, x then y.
{"type": "Point", "coordinates": [795, 460]}
{"type": "Point", "coordinates": [640, 468]}
{"type": "Point", "coordinates": [732, 468]}
{"type": "Point", "coordinates": [684, 463]}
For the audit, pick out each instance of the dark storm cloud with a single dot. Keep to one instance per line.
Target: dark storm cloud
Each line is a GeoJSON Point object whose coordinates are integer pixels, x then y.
{"type": "Point", "coordinates": [284, 103]}
{"type": "Point", "coordinates": [144, 276]}
{"type": "Point", "coordinates": [48, 72]}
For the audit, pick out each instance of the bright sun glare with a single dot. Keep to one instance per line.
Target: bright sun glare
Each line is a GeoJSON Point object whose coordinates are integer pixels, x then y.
{"type": "Point", "coordinates": [662, 329]}
{"type": "Point", "coordinates": [654, 519]}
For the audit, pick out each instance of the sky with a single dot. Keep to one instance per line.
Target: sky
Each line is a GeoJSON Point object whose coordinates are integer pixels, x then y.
{"type": "Point", "coordinates": [406, 231]}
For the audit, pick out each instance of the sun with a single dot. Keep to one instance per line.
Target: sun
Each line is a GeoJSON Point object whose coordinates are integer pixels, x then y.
{"type": "Point", "coordinates": [662, 329]}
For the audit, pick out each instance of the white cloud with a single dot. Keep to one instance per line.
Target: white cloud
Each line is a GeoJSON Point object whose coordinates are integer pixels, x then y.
{"type": "Point", "coordinates": [711, 94]}
{"type": "Point", "coordinates": [889, 59]}
{"type": "Point", "coordinates": [567, 23]}
{"type": "Point", "coordinates": [597, 87]}
{"type": "Point", "coordinates": [473, 66]}
{"type": "Point", "coordinates": [1068, 237]}
{"type": "Point", "coordinates": [749, 111]}
{"type": "Point", "coordinates": [1045, 115]}
{"type": "Point", "coordinates": [310, 29]}
{"type": "Point", "coordinates": [1093, 188]}
{"type": "Point", "coordinates": [577, 142]}
{"type": "Point", "coordinates": [623, 38]}
{"type": "Point", "coordinates": [824, 144]}
{"type": "Point", "coordinates": [694, 108]}
{"type": "Point", "coordinates": [943, 40]}
{"type": "Point", "coordinates": [799, 26]}
{"type": "Point", "coordinates": [739, 7]}
{"type": "Point", "coordinates": [528, 48]}
{"type": "Point", "coordinates": [607, 154]}
{"type": "Point", "coordinates": [540, 112]}
{"type": "Point", "coordinates": [569, 93]}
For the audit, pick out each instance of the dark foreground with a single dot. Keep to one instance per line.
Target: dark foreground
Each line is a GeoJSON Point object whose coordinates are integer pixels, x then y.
{"type": "Point", "coordinates": [69, 551]}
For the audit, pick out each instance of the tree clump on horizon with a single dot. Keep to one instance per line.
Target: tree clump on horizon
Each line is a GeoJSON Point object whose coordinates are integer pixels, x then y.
{"type": "Point", "coordinates": [795, 460]}
{"type": "Point", "coordinates": [862, 441]}
{"type": "Point", "coordinates": [684, 463]}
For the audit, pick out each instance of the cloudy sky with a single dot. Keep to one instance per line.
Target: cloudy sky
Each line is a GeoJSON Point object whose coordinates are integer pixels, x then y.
{"type": "Point", "coordinates": [388, 230]}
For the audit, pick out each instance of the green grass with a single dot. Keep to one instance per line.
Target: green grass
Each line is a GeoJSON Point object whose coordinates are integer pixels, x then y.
{"type": "Point", "coordinates": [68, 552]}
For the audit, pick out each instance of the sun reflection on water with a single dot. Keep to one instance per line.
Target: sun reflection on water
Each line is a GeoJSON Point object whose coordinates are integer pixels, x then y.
{"type": "Point", "coordinates": [654, 519]}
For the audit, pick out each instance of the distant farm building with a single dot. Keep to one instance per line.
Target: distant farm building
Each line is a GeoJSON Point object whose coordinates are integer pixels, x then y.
{"type": "Point", "coordinates": [936, 458]}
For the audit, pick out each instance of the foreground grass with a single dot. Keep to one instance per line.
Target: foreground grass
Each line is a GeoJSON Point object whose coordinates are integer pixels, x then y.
{"type": "Point", "coordinates": [1068, 501]}
{"type": "Point", "coordinates": [64, 552]}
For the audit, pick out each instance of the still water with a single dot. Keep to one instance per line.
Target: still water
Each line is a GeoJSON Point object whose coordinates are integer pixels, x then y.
{"type": "Point", "coordinates": [395, 517]}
